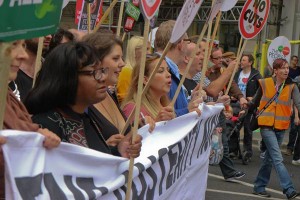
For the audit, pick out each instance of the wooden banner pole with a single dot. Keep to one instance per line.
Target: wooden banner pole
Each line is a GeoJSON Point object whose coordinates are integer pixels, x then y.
{"type": "Point", "coordinates": [120, 18]}
{"type": "Point", "coordinates": [215, 32]}
{"type": "Point", "coordinates": [89, 17]}
{"type": "Point", "coordinates": [138, 105]}
{"type": "Point", "coordinates": [205, 61]}
{"type": "Point", "coordinates": [128, 121]}
{"type": "Point", "coordinates": [38, 60]}
{"type": "Point", "coordinates": [236, 67]}
{"type": "Point", "coordinates": [123, 37]}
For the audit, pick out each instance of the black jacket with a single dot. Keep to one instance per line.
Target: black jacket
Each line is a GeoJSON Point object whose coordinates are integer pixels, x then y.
{"type": "Point", "coordinates": [252, 84]}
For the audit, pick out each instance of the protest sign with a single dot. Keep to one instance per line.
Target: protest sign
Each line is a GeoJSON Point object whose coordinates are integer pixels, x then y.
{"type": "Point", "coordinates": [215, 9]}
{"type": "Point", "coordinates": [96, 9]}
{"type": "Point", "coordinates": [185, 18]}
{"type": "Point", "coordinates": [253, 17]}
{"type": "Point", "coordinates": [149, 7]}
{"type": "Point", "coordinates": [23, 19]}
{"type": "Point", "coordinates": [228, 4]}
{"type": "Point", "coordinates": [173, 164]}
{"type": "Point", "coordinates": [279, 48]}
{"type": "Point", "coordinates": [65, 2]}
{"type": "Point", "coordinates": [132, 11]}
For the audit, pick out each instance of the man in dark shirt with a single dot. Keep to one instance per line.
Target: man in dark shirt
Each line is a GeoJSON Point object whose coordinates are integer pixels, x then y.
{"type": "Point", "coordinates": [294, 69]}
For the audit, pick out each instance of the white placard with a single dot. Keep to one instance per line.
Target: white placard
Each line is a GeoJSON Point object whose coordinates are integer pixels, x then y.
{"type": "Point", "coordinates": [279, 48]}
{"type": "Point", "coordinates": [185, 18]}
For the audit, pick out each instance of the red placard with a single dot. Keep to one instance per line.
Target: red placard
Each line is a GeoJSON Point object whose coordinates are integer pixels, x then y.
{"type": "Point", "coordinates": [253, 17]}
{"type": "Point", "coordinates": [129, 23]}
{"type": "Point", "coordinates": [135, 2]}
{"type": "Point", "coordinates": [149, 7]}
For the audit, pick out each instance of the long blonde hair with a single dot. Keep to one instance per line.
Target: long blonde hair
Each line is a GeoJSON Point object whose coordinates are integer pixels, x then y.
{"type": "Point", "coordinates": [147, 100]}
{"type": "Point", "coordinates": [134, 42]}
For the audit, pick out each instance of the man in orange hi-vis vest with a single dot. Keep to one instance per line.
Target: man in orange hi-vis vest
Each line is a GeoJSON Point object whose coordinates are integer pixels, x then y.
{"type": "Point", "coordinates": [274, 99]}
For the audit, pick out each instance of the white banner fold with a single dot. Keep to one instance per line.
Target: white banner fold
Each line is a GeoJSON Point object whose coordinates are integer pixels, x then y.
{"type": "Point", "coordinates": [173, 164]}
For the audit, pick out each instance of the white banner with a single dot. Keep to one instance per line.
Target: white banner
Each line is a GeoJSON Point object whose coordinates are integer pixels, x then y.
{"type": "Point", "coordinates": [173, 164]}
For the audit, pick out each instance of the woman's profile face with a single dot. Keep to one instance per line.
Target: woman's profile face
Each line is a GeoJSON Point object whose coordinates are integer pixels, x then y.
{"type": "Point", "coordinates": [90, 90]}
{"type": "Point", "coordinates": [162, 79]}
{"type": "Point", "coordinates": [17, 55]}
{"type": "Point", "coordinates": [113, 61]}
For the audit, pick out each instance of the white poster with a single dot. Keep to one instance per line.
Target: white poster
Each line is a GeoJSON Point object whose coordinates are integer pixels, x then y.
{"type": "Point", "coordinates": [173, 164]}
{"type": "Point", "coordinates": [228, 4]}
{"type": "Point", "coordinates": [185, 18]}
{"type": "Point", "coordinates": [279, 48]}
{"type": "Point", "coordinates": [215, 9]}
{"type": "Point", "coordinates": [65, 2]}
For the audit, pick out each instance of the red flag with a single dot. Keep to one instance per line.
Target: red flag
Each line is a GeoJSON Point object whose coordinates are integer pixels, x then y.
{"type": "Point", "coordinates": [78, 10]}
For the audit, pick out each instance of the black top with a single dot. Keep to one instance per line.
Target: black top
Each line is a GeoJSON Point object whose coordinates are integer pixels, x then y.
{"type": "Point", "coordinates": [107, 128]}
{"type": "Point", "coordinates": [189, 84]}
{"type": "Point", "coordinates": [74, 128]}
{"type": "Point", "coordinates": [293, 73]}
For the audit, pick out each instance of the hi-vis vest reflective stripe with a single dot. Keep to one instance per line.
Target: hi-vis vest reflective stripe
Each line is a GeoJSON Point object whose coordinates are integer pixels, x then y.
{"type": "Point", "coordinates": [278, 114]}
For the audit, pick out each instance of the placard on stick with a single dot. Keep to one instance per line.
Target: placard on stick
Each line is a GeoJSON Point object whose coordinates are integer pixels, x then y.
{"type": "Point", "coordinates": [228, 4]}
{"type": "Point", "coordinates": [22, 20]}
{"type": "Point", "coordinates": [149, 7]}
{"type": "Point", "coordinates": [253, 17]}
{"type": "Point", "coordinates": [185, 18]}
{"type": "Point", "coordinates": [215, 9]}
{"type": "Point", "coordinates": [279, 48]}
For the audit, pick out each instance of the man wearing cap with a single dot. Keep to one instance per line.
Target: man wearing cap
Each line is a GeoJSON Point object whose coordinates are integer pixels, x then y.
{"type": "Point", "coordinates": [247, 79]}
{"type": "Point", "coordinates": [227, 58]}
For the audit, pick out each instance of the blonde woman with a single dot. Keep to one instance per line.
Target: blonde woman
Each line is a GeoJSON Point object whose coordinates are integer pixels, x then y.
{"type": "Point", "coordinates": [155, 102]}
{"type": "Point", "coordinates": [133, 55]}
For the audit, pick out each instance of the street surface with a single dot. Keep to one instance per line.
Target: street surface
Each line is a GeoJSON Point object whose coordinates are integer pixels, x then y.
{"type": "Point", "coordinates": [218, 189]}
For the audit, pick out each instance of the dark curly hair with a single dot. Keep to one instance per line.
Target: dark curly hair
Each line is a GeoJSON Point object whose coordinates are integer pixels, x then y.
{"type": "Point", "coordinates": [57, 81]}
